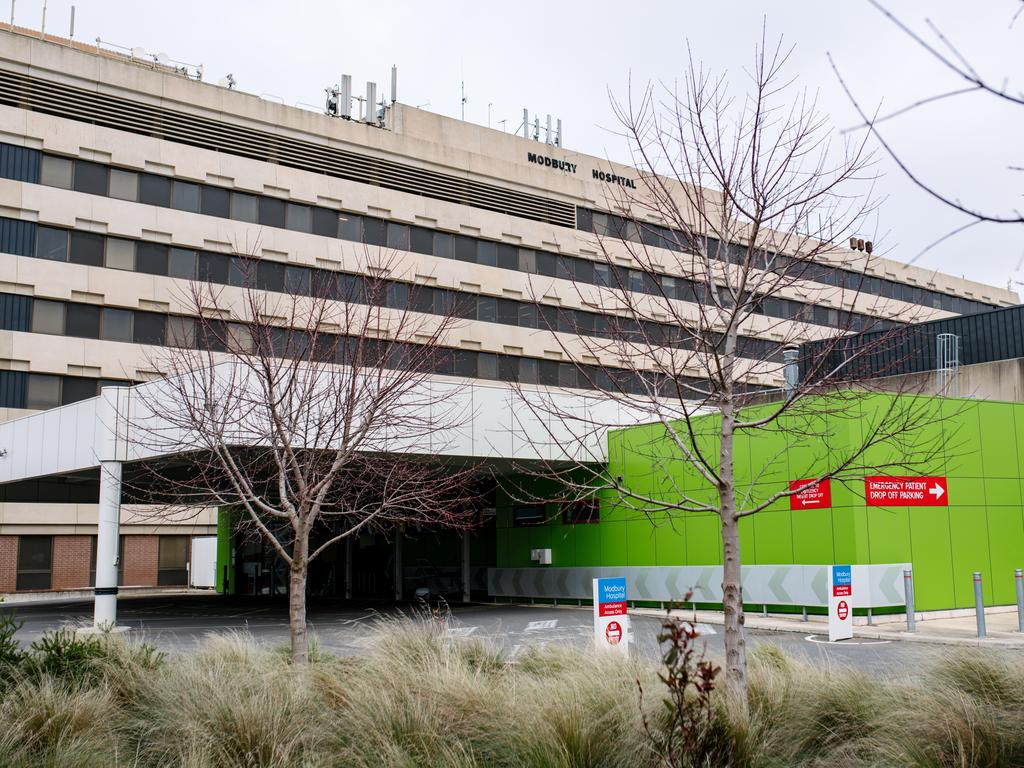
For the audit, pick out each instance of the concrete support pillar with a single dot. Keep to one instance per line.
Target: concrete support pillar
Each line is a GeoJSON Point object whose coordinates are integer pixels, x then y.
{"type": "Point", "coordinates": [466, 576]}
{"type": "Point", "coordinates": [399, 576]}
{"type": "Point", "coordinates": [348, 567]}
{"type": "Point", "coordinates": [108, 520]}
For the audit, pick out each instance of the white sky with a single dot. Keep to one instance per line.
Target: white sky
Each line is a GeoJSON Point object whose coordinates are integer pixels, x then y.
{"type": "Point", "coordinates": [564, 57]}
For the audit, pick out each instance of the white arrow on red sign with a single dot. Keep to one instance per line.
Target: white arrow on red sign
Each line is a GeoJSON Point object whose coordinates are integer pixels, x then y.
{"type": "Point", "coordinates": [937, 491]}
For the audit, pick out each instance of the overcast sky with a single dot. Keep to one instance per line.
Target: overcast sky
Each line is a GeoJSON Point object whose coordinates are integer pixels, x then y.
{"type": "Point", "coordinates": [564, 57]}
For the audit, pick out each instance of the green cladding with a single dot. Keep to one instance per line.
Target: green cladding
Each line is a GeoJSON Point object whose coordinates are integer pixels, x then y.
{"type": "Point", "coordinates": [977, 445]}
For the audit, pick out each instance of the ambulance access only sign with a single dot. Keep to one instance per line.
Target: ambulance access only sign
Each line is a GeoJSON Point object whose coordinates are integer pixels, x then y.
{"type": "Point", "coordinates": [840, 602]}
{"type": "Point", "coordinates": [611, 623]}
{"type": "Point", "coordinates": [906, 492]}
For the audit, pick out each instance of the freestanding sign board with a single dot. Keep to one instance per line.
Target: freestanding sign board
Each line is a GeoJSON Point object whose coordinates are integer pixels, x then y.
{"type": "Point", "coordinates": [906, 492]}
{"type": "Point", "coordinates": [611, 624]}
{"type": "Point", "coordinates": [840, 602]}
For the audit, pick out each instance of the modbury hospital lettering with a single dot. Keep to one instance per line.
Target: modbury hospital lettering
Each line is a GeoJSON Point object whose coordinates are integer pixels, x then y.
{"type": "Point", "coordinates": [611, 178]}
{"type": "Point", "coordinates": [550, 162]}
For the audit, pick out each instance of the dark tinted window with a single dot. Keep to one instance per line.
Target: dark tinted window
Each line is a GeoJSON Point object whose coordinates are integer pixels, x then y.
{"type": "Point", "coordinates": [350, 227]}
{"type": "Point", "coordinates": [421, 240]}
{"type": "Point", "coordinates": [325, 222]}
{"type": "Point", "coordinates": [443, 245]}
{"type": "Point", "coordinates": [213, 267]}
{"type": "Point", "coordinates": [86, 248]}
{"type": "Point", "coordinates": [90, 178]}
{"type": "Point", "coordinates": [272, 212]}
{"type": "Point", "coordinates": [487, 253]}
{"type": "Point", "coordinates": [216, 202]}
{"type": "Point", "coordinates": [465, 248]}
{"type": "Point", "coordinates": [300, 217]}
{"type": "Point", "coordinates": [77, 388]}
{"type": "Point", "coordinates": [185, 196]}
{"type": "Point", "coordinates": [508, 256]}
{"type": "Point", "coordinates": [52, 244]}
{"type": "Point", "coordinates": [374, 232]}
{"type": "Point", "coordinates": [398, 236]}
{"type": "Point", "coordinates": [83, 320]}
{"type": "Point", "coordinates": [150, 328]}
{"type": "Point", "coordinates": [532, 515]}
{"type": "Point", "coordinates": [151, 258]}
{"type": "Point", "coordinates": [270, 276]}
{"type": "Point", "coordinates": [154, 190]}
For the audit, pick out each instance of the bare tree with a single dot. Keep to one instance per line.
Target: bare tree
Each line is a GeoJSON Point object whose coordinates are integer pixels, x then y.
{"type": "Point", "coordinates": [723, 256]}
{"type": "Point", "coordinates": [310, 411]}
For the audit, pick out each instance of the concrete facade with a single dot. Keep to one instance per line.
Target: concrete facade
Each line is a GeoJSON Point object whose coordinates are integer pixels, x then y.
{"type": "Point", "coordinates": [500, 175]}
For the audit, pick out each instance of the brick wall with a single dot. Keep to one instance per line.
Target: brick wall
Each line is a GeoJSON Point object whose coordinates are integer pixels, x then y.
{"type": "Point", "coordinates": [140, 561]}
{"type": "Point", "coordinates": [8, 563]}
{"type": "Point", "coordinates": [72, 559]}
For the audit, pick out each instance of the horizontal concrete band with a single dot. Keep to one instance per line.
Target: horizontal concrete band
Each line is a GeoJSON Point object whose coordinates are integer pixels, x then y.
{"type": "Point", "coordinates": [803, 585]}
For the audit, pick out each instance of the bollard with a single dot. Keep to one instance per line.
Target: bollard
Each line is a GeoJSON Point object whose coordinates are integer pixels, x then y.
{"type": "Point", "coordinates": [803, 612]}
{"type": "Point", "coordinates": [1018, 576]}
{"type": "Point", "coordinates": [908, 593]}
{"type": "Point", "coordinates": [979, 604]}
{"type": "Point", "coordinates": [870, 617]}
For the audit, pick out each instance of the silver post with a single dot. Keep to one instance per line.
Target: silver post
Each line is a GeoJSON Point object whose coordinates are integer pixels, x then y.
{"type": "Point", "coordinates": [908, 593]}
{"type": "Point", "coordinates": [1018, 576]}
{"type": "Point", "coordinates": [803, 612]}
{"type": "Point", "coordinates": [979, 604]}
{"type": "Point", "coordinates": [870, 622]}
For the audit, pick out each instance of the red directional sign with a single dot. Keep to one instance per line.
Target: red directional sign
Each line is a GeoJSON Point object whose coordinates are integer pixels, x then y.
{"type": "Point", "coordinates": [906, 492]}
{"type": "Point", "coordinates": [813, 496]}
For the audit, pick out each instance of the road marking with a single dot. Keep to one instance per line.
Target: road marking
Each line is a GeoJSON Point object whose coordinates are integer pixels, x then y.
{"type": "Point", "coordinates": [814, 639]}
{"type": "Point", "coordinates": [536, 625]}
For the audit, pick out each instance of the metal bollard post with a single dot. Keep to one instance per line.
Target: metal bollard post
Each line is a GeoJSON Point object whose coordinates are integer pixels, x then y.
{"type": "Point", "coordinates": [1018, 576]}
{"type": "Point", "coordinates": [870, 617]}
{"type": "Point", "coordinates": [803, 612]}
{"type": "Point", "coordinates": [979, 604]}
{"type": "Point", "coordinates": [908, 593]}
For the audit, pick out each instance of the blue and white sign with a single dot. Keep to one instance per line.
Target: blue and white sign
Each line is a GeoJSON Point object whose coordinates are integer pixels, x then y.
{"type": "Point", "coordinates": [840, 602]}
{"type": "Point", "coordinates": [611, 622]}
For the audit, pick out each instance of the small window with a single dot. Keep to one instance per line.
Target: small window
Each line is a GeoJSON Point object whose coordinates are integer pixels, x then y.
{"type": "Point", "coordinates": [421, 240]}
{"type": "Point", "coordinates": [487, 253]}
{"type": "Point", "coordinates": [527, 261]}
{"type": "Point", "coordinates": [487, 366]}
{"type": "Point", "coordinates": [51, 244]}
{"type": "Point", "coordinates": [272, 212]}
{"type": "Point", "coordinates": [124, 185]}
{"type": "Point", "coordinates": [181, 331]}
{"type": "Point", "coordinates": [214, 267]}
{"type": "Point", "coordinates": [120, 254]}
{"type": "Point", "coordinates": [149, 328]}
{"type": "Point", "coordinates": [215, 201]}
{"type": "Point", "coordinates": [299, 217]}
{"type": "Point", "coordinates": [181, 262]}
{"type": "Point", "coordinates": [270, 276]}
{"type": "Point", "coordinates": [35, 562]}
{"type": "Point", "coordinates": [325, 222]}
{"type": "Point", "coordinates": [465, 248]}
{"type": "Point", "coordinates": [350, 227]}
{"type": "Point", "coordinates": [48, 317]}
{"type": "Point", "coordinates": [582, 511]}
{"type": "Point", "coordinates": [56, 172]}
{"type": "Point", "coordinates": [77, 388]}
{"type": "Point", "coordinates": [117, 325]}
{"type": "Point", "coordinates": [185, 196]}
{"type": "Point", "coordinates": [172, 564]}
{"type": "Point", "coordinates": [531, 515]}
{"type": "Point", "coordinates": [151, 258]}
{"type": "Point", "coordinates": [297, 280]}
{"type": "Point", "coordinates": [90, 178]}
{"type": "Point", "coordinates": [244, 207]}
{"type": "Point", "coordinates": [83, 321]}
{"type": "Point", "coordinates": [154, 190]}
{"type": "Point", "coordinates": [508, 256]}
{"type": "Point", "coordinates": [87, 249]}
{"type": "Point", "coordinates": [374, 231]}
{"type": "Point", "coordinates": [42, 391]}
{"type": "Point", "coordinates": [443, 245]}
{"type": "Point", "coordinates": [398, 236]}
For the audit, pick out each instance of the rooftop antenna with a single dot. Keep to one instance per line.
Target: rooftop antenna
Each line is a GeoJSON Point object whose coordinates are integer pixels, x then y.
{"type": "Point", "coordinates": [558, 133]}
{"type": "Point", "coordinates": [71, 30]}
{"type": "Point", "coordinates": [526, 123]}
{"type": "Point", "coordinates": [464, 99]}
{"type": "Point", "coordinates": [345, 97]}
{"type": "Point", "coordinates": [489, 105]}
{"type": "Point", "coordinates": [42, 29]}
{"type": "Point", "coordinates": [12, 11]}
{"type": "Point", "coordinates": [547, 132]}
{"type": "Point", "coordinates": [371, 103]}
{"type": "Point", "coordinates": [536, 129]}
{"type": "Point", "coordinates": [394, 83]}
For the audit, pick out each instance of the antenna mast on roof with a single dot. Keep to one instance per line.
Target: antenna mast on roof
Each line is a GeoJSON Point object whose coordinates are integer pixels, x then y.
{"type": "Point", "coordinates": [552, 137]}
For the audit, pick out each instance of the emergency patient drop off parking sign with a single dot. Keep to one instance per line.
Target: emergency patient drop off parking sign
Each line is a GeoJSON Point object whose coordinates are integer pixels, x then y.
{"type": "Point", "coordinates": [840, 602]}
{"type": "Point", "coordinates": [611, 624]}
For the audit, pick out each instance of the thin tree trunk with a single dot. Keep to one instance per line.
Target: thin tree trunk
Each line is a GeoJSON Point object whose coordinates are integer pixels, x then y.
{"type": "Point", "coordinates": [732, 604]}
{"type": "Point", "coordinates": [297, 603]}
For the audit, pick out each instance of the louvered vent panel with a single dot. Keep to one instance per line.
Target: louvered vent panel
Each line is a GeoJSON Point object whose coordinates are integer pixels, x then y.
{"type": "Point", "coordinates": [126, 115]}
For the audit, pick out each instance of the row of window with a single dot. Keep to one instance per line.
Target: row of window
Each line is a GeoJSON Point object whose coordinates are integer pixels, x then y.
{"type": "Point", "coordinates": [619, 227]}
{"type": "Point", "coordinates": [35, 562]}
{"type": "Point", "coordinates": [142, 327]}
{"type": "Point", "coordinates": [151, 189]}
{"type": "Point", "coordinates": [157, 258]}
{"type": "Point", "coordinates": [41, 391]}
{"type": "Point", "coordinates": [572, 512]}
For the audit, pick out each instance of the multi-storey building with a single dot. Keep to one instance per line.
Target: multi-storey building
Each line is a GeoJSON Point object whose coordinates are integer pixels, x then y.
{"type": "Point", "coordinates": [121, 179]}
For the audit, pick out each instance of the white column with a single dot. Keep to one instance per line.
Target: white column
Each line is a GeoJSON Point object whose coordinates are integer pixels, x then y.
{"type": "Point", "coordinates": [466, 593]}
{"type": "Point", "coordinates": [108, 520]}
{"type": "Point", "coordinates": [399, 574]}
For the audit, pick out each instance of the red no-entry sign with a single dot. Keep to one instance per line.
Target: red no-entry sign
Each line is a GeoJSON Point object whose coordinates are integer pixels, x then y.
{"type": "Point", "coordinates": [613, 632]}
{"type": "Point", "coordinates": [813, 496]}
{"type": "Point", "coordinates": [906, 492]}
{"type": "Point", "coordinates": [843, 610]}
